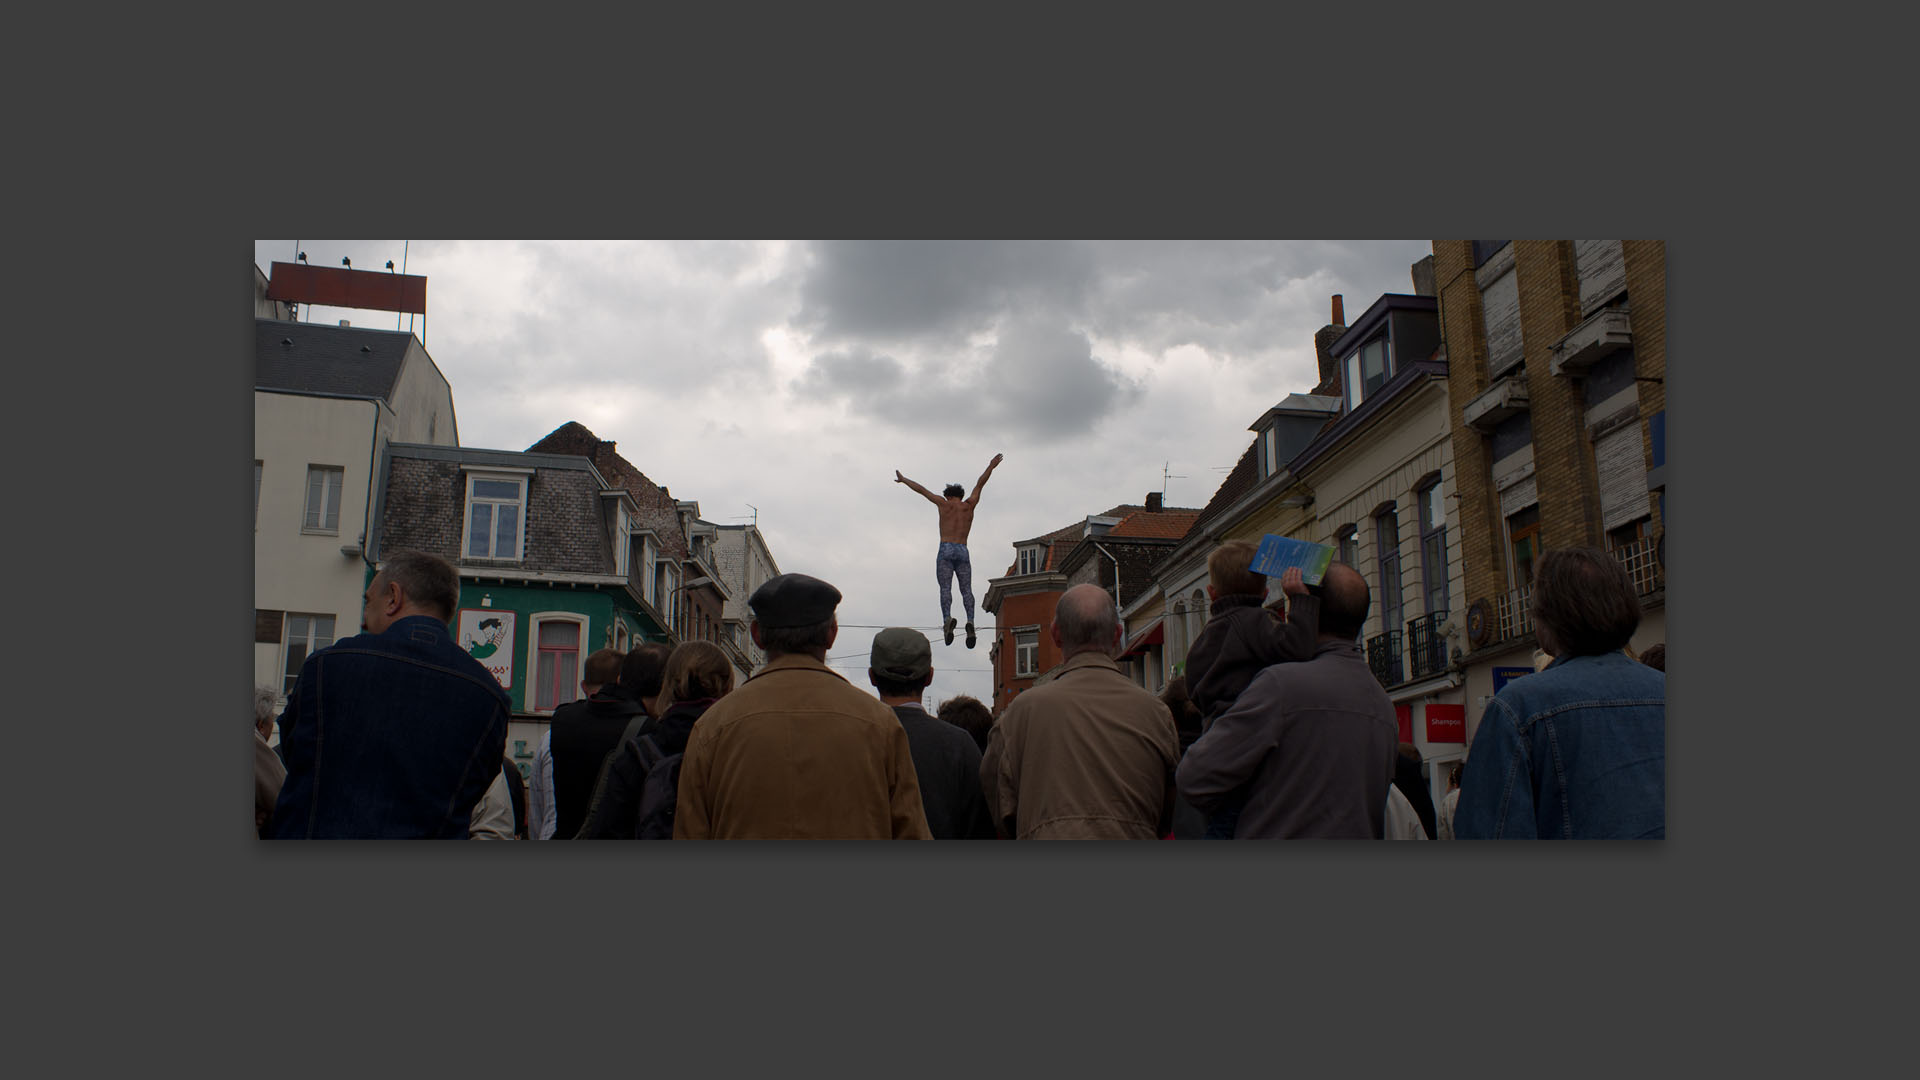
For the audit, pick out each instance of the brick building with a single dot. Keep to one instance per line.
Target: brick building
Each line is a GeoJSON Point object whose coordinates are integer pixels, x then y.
{"type": "Point", "coordinates": [1116, 550]}
{"type": "Point", "coordinates": [1557, 385]}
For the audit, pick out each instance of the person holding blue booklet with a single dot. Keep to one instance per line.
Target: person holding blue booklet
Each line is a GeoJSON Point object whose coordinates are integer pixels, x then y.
{"type": "Point", "coordinates": [1241, 638]}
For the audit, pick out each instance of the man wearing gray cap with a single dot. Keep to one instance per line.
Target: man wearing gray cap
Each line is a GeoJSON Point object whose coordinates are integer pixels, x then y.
{"type": "Point", "coordinates": [797, 752]}
{"type": "Point", "coordinates": [944, 757]}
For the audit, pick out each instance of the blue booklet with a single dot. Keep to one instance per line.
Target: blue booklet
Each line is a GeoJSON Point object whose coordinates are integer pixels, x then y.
{"type": "Point", "coordinates": [1279, 552]}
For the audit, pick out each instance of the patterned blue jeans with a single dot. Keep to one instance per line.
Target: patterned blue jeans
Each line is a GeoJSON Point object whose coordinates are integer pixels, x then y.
{"type": "Point", "coordinates": [953, 559]}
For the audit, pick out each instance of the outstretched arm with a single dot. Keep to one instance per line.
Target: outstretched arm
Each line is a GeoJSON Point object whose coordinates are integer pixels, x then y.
{"type": "Point", "coordinates": [974, 498]}
{"type": "Point", "coordinates": [935, 499]}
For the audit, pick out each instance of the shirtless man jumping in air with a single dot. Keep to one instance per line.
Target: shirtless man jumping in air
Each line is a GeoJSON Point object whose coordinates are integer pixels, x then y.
{"type": "Point", "coordinates": [956, 520]}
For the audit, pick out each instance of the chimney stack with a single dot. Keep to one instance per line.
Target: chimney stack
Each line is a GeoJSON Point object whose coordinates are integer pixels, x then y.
{"type": "Point", "coordinates": [1153, 502]}
{"type": "Point", "coordinates": [1323, 342]}
{"type": "Point", "coordinates": [1423, 277]}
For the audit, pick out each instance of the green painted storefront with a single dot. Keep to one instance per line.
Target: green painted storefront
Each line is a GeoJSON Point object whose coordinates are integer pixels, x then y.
{"type": "Point", "coordinates": [612, 620]}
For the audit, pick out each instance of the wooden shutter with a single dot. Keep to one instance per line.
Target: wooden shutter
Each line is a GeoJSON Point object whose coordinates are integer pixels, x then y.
{"type": "Point", "coordinates": [1500, 309]}
{"type": "Point", "coordinates": [1519, 497]}
{"type": "Point", "coordinates": [1602, 268]}
{"type": "Point", "coordinates": [266, 626]}
{"type": "Point", "coordinates": [1621, 462]}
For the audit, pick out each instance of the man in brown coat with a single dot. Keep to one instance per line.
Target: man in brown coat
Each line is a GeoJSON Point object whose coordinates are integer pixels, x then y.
{"type": "Point", "coordinates": [1088, 755]}
{"type": "Point", "coordinates": [797, 752]}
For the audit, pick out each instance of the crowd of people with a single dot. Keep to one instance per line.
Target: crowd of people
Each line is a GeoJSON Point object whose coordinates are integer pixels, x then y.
{"type": "Point", "coordinates": [1277, 730]}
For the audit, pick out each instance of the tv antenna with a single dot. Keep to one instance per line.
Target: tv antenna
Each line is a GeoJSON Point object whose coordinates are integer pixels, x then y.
{"type": "Point", "coordinates": [1166, 476]}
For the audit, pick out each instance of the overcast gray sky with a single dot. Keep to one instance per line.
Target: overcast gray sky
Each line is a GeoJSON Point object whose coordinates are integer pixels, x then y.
{"type": "Point", "coordinates": [796, 376]}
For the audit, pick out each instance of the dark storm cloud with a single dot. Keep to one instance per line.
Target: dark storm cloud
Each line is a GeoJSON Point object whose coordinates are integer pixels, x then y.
{"type": "Point", "coordinates": [894, 290]}
{"type": "Point", "coordinates": [1040, 382]}
{"type": "Point", "coordinates": [1244, 302]}
{"type": "Point", "coordinates": [1230, 297]}
{"type": "Point", "coordinates": [1045, 383]}
{"type": "Point", "coordinates": [856, 375]}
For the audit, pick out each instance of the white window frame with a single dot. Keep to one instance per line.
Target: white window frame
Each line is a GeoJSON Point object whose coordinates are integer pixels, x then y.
{"type": "Point", "coordinates": [1032, 557]}
{"type": "Point", "coordinates": [1026, 655]}
{"type": "Point", "coordinates": [534, 622]}
{"type": "Point", "coordinates": [286, 639]}
{"type": "Point", "coordinates": [649, 555]}
{"type": "Point", "coordinates": [1353, 381]}
{"type": "Point", "coordinates": [669, 576]}
{"type": "Point", "coordinates": [522, 477]}
{"type": "Point", "coordinates": [339, 473]}
{"type": "Point", "coordinates": [1269, 452]}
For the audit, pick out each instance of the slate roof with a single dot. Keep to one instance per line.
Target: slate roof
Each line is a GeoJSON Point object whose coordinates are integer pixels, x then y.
{"type": "Point", "coordinates": [347, 361]}
{"type": "Point", "coordinates": [1238, 482]}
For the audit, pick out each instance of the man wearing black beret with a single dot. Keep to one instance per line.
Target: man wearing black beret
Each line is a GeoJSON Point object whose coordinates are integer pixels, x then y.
{"type": "Point", "coordinates": [797, 752]}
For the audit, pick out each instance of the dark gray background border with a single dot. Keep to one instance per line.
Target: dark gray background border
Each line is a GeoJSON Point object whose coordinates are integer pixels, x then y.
{"type": "Point", "coordinates": [1159, 959]}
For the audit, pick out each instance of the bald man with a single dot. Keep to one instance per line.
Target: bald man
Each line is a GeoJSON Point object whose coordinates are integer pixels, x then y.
{"type": "Point", "coordinates": [1314, 741]}
{"type": "Point", "coordinates": [1087, 755]}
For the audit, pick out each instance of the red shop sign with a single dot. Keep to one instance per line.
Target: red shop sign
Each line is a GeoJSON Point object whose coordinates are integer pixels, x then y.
{"type": "Point", "coordinates": [1405, 715]}
{"type": "Point", "coordinates": [1446, 723]}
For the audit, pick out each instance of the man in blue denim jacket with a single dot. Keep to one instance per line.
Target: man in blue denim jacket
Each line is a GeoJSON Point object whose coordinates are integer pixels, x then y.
{"type": "Point", "coordinates": [1577, 750]}
{"type": "Point", "coordinates": [397, 731]}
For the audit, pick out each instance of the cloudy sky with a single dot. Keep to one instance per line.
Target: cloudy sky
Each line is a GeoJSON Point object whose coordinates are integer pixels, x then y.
{"type": "Point", "coordinates": [792, 378]}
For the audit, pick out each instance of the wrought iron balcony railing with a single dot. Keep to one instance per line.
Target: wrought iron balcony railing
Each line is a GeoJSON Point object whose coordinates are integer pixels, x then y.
{"type": "Point", "coordinates": [1426, 649]}
{"type": "Point", "coordinates": [1383, 656]}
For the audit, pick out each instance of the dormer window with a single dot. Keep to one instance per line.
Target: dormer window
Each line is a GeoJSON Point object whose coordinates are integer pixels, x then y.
{"type": "Point", "coordinates": [1032, 557]}
{"type": "Point", "coordinates": [1367, 370]}
{"type": "Point", "coordinates": [496, 515]}
{"type": "Point", "coordinates": [1269, 452]}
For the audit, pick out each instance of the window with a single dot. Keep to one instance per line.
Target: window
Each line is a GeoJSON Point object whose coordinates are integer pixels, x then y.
{"type": "Point", "coordinates": [1026, 653]}
{"type": "Point", "coordinates": [1523, 543]}
{"type": "Point", "coordinates": [1485, 249]}
{"type": "Point", "coordinates": [663, 590]}
{"type": "Point", "coordinates": [556, 669]}
{"type": "Point", "coordinates": [1347, 541]}
{"type": "Point", "coordinates": [323, 498]}
{"type": "Point", "coordinates": [1368, 369]}
{"type": "Point", "coordinates": [1032, 558]}
{"type": "Point", "coordinates": [1601, 267]}
{"type": "Point", "coordinates": [256, 493]}
{"type": "Point", "coordinates": [1433, 547]}
{"type": "Point", "coordinates": [1269, 453]}
{"type": "Point", "coordinates": [1387, 524]}
{"type": "Point", "coordinates": [306, 635]}
{"type": "Point", "coordinates": [649, 590]}
{"type": "Point", "coordinates": [1632, 544]}
{"type": "Point", "coordinates": [1500, 320]}
{"type": "Point", "coordinates": [494, 510]}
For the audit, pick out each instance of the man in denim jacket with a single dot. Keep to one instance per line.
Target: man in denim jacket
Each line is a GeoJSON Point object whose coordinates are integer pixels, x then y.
{"type": "Point", "coordinates": [1579, 749]}
{"type": "Point", "coordinates": [397, 731]}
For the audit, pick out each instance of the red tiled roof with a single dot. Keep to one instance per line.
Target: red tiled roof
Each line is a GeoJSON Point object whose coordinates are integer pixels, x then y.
{"type": "Point", "coordinates": [1136, 522]}
{"type": "Point", "coordinates": [1165, 525]}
